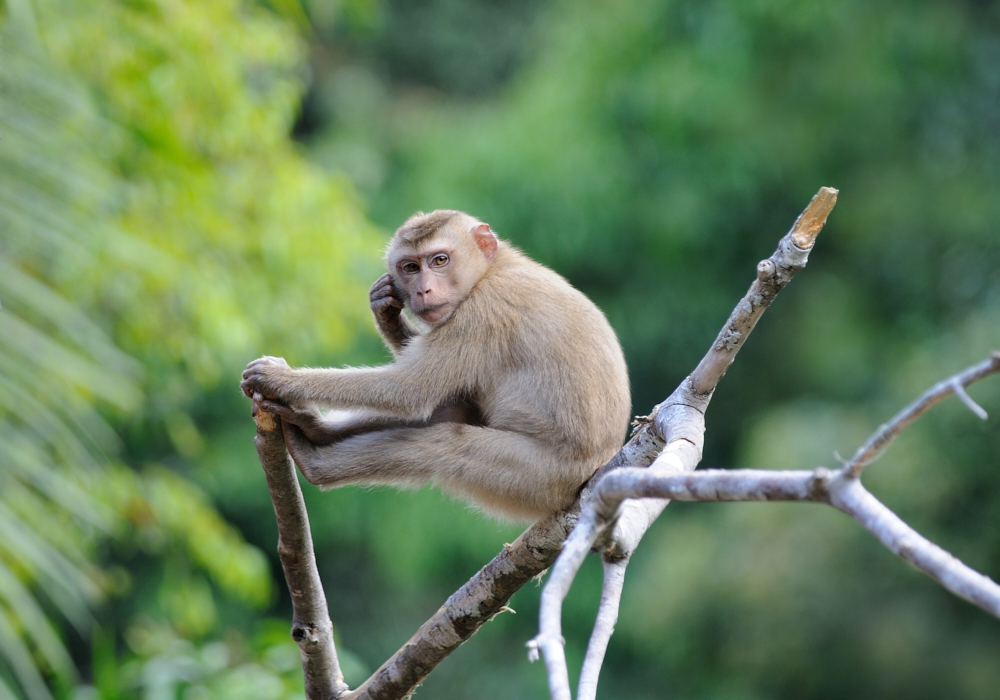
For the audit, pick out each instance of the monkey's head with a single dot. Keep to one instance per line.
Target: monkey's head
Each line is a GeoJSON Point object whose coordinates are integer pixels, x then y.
{"type": "Point", "coordinates": [436, 259]}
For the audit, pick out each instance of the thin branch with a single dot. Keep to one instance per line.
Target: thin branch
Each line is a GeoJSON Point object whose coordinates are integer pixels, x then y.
{"type": "Point", "coordinates": [772, 276]}
{"type": "Point", "coordinates": [978, 410]}
{"type": "Point", "coordinates": [604, 627]}
{"type": "Point", "coordinates": [680, 422]}
{"type": "Point", "coordinates": [903, 540]}
{"type": "Point", "coordinates": [886, 433]}
{"type": "Point", "coordinates": [311, 626]}
{"type": "Point", "coordinates": [838, 489]}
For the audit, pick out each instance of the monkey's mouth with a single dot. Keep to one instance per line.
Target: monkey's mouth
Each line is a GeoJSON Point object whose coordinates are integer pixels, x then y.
{"type": "Point", "coordinates": [434, 314]}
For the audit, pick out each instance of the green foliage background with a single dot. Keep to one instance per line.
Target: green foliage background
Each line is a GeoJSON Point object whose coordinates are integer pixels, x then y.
{"type": "Point", "coordinates": [187, 185]}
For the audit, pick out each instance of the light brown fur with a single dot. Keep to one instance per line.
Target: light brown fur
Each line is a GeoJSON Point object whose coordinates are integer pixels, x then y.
{"type": "Point", "coordinates": [512, 400]}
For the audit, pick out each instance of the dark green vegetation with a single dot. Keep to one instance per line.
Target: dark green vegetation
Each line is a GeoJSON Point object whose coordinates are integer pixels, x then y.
{"type": "Point", "coordinates": [159, 227]}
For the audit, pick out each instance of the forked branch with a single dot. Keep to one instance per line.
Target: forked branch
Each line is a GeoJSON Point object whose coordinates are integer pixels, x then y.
{"type": "Point", "coordinates": [841, 489]}
{"type": "Point", "coordinates": [680, 423]}
{"type": "Point", "coordinates": [869, 452]}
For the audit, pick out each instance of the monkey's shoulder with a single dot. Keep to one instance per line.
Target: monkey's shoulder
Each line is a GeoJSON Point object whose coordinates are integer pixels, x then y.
{"type": "Point", "coordinates": [539, 312]}
{"type": "Point", "coordinates": [528, 287]}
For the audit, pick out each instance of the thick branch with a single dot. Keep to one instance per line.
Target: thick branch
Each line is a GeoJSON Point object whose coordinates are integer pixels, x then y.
{"type": "Point", "coordinates": [311, 626]}
{"type": "Point", "coordinates": [471, 606]}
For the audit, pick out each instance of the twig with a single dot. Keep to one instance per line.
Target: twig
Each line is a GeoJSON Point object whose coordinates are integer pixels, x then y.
{"type": "Point", "coordinates": [887, 432]}
{"type": "Point", "coordinates": [311, 626]}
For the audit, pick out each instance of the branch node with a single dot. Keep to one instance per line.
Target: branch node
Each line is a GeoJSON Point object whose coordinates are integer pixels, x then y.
{"type": "Point", "coordinates": [967, 400]}
{"type": "Point", "coordinates": [819, 485]}
{"type": "Point", "coordinates": [766, 269]}
{"type": "Point", "coordinates": [308, 633]}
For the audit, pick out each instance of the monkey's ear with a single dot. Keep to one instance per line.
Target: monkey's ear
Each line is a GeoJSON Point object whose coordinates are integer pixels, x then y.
{"type": "Point", "coordinates": [484, 237]}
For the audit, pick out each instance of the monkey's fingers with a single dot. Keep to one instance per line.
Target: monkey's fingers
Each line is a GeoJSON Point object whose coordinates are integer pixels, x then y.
{"type": "Point", "coordinates": [284, 410]}
{"type": "Point", "coordinates": [383, 305]}
{"type": "Point", "coordinates": [385, 293]}
{"type": "Point", "coordinates": [264, 375]}
{"type": "Point", "coordinates": [247, 387]}
{"type": "Point", "coordinates": [265, 361]}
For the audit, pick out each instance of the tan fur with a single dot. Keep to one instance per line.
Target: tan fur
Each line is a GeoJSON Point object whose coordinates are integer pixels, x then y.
{"type": "Point", "coordinates": [512, 401]}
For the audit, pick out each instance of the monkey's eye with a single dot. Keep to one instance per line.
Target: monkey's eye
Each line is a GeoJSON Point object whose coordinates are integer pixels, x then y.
{"type": "Point", "coordinates": [409, 267]}
{"type": "Point", "coordinates": [439, 260]}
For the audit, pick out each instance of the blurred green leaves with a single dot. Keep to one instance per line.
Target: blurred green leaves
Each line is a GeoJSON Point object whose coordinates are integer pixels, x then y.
{"type": "Point", "coordinates": [157, 230]}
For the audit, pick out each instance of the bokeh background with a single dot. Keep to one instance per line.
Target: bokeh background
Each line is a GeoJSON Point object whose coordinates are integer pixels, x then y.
{"type": "Point", "coordinates": [188, 184]}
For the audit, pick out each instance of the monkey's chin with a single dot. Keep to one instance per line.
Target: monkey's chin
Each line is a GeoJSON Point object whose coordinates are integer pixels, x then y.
{"type": "Point", "coordinates": [435, 316]}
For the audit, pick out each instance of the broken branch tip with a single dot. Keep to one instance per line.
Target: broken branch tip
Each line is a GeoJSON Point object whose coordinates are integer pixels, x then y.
{"type": "Point", "coordinates": [812, 220]}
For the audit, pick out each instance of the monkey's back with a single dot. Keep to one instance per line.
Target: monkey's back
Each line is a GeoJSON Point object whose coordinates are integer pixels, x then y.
{"type": "Point", "coordinates": [555, 368]}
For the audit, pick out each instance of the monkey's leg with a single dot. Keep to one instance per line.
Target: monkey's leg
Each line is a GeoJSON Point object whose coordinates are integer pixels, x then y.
{"type": "Point", "coordinates": [336, 426]}
{"type": "Point", "coordinates": [506, 473]}
{"type": "Point", "coordinates": [330, 428]}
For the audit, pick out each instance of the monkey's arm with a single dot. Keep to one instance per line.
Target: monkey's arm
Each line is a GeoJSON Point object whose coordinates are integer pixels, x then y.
{"type": "Point", "coordinates": [410, 391]}
{"type": "Point", "coordinates": [386, 306]}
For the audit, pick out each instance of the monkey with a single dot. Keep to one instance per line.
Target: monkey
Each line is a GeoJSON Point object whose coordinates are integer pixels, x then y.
{"type": "Point", "coordinates": [508, 387]}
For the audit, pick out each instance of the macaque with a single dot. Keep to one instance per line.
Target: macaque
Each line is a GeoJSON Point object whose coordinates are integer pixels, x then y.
{"type": "Point", "coordinates": [511, 392]}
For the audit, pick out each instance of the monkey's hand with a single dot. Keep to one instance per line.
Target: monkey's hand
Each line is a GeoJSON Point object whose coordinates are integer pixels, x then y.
{"type": "Point", "coordinates": [387, 307]}
{"type": "Point", "coordinates": [308, 420]}
{"type": "Point", "coordinates": [268, 376]}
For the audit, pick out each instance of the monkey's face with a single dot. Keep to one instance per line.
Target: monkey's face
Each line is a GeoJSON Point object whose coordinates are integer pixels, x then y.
{"type": "Point", "coordinates": [431, 282]}
{"type": "Point", "coordinates": [434, 276]}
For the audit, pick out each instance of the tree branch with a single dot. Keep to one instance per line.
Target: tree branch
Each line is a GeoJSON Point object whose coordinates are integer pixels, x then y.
{"type": "Point", "coordinates": [311, 626]}
{"type": "Point", "coordinates": [838, 489]}
{"type": "Point", "coordinates": [841, 489]}
{"type": "Point", "coordinates": [468, 609]}
{"type": "Point", "coordinates": [680, 422]}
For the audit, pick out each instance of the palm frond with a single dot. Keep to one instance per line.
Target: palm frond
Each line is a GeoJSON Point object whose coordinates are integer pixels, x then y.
{"type": "Point", "coordinates": [55, 365]}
